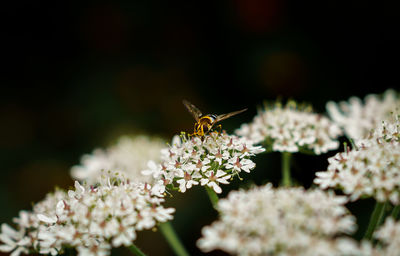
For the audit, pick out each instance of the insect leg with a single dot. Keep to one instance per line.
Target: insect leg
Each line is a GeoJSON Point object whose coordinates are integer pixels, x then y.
{"type": "Point", "coordinates": [200, 132]}
{"type": "Point", "coordinates": [220, 129]}
{"type": "Point", "coordinates": [194, 129]}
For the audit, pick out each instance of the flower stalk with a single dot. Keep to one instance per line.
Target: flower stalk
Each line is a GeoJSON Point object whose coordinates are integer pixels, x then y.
{"type": "Point", "coordinates": [375, 220]}
{"type": "Point", "coordinates": [136, 251]}
{"type": "Point", "coordinates": [213, 196]}
{"type": "Point", "coordinates": [173, 240]}
{"type": "Point", "coordinates": [395, 212]}
{"type": "Point", "coordinates": [286, 178]}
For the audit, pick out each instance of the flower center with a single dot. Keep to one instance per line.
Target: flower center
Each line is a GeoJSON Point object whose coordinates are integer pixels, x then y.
{"type": "Point", "coordinates": [177, 164]}
{"type": "Point", "coordinates": [212, 177]}
{"type": "Point", "coordinates": [187, 176]}
{"type": "Point", "coordinates": [199, 164]}
{"type": "Point", "coordinates": [238, 164]}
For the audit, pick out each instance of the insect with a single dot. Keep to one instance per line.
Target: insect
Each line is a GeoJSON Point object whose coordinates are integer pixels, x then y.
{"type": "Point", "coordinates": [204, 123]}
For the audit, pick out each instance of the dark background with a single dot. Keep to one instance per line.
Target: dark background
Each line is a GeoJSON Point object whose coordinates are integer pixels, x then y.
{"type": "Point", "coordinates": [76, 75]}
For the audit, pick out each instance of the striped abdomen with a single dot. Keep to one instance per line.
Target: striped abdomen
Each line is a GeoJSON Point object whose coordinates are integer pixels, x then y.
{"type": "Point", "coordinates": [204, 124]}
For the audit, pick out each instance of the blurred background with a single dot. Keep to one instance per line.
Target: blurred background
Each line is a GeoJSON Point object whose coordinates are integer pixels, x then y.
{"type": "Point", "coordinates": [76, 75]}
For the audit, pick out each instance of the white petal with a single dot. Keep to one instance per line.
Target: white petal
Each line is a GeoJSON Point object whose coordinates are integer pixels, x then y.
{"type": "Point", "coordinates": [216, 188]}
{"type": "Point", "coordinates": [6, 248]}
{"type": "Point", "coordinates": [204, 181]}
{"type": "Point", "coordinates": [79, 188]}
{"type": "Point", "coordinates": [18, 251]}
{"type": "Point", "coordinates": [47, 219]}
{"type": "Point", "coordinates": [6, 229]}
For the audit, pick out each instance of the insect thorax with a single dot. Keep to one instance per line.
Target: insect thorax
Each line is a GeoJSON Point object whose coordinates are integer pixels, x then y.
{"type": "Point", "coordinates": [205, 123]}
{"type": "Point", "coordinates": [208, 118]}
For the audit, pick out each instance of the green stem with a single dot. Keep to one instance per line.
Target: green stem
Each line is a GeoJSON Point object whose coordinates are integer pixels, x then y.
{"type": "Point", "coordinates": [136, 250]}
{"type": "Point", "coordinates": [376, 218]}
{"type": "Point", "coordinates": [172, 238]}
{"type": "Point", "coordinates": [395, 212]}
{"type": "Point", "coordinates": [213, 196]}
{"type": "Point", "coordinates": [382, 215]}
{"type": "Point", "coordinates": [286, 180]}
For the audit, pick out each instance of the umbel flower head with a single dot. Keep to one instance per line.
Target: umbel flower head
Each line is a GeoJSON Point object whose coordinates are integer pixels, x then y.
{"type": "Point", "coordinates": [283, 221]}
{"type": "Point", "coordinates": [90, 219]}
{"type": "Point", "coordinates": [371, 169]}
{"type": "Point", "coordinates": [357, 118]}
{"type": "Point", "coordinates": [389, 237]}
{"type": "Point", "coordinates": [386, 132]}
{"type": "Point", "coordinates": [388, 240]}
{"type": "Point", "coordinates": [25, 238]}
{"type": "Point", "coordinates": [208, 161]}
{"type": "Point", "coordinates": [128, 156]}
{"type": "Point", "coordinates": [292, 128]}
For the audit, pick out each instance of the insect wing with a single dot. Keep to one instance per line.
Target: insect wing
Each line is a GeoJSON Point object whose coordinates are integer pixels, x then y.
{"type": "Point", "coordinates": [196, 113]}
{"type": "Point", "coordinates": [225, 116]}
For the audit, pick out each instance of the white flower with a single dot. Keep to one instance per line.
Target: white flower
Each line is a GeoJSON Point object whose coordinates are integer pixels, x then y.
{"type": "Point", "coordinates": [210, 160]}
{"type": "Point", "coordinates": [125, 236]}
{"type": "Point", "coordinates": [219, 156]}
{"type": "Point", "coordinates": [101, 249]}
{"type": "Point", "coordinates": [292, 129]}
{"type": "Point", "coordinates": [357, 118]}
{"type": "Point", "coordinates": [213, 179]}
{"type": "Point", "coordinates": [153, 169]}
{"type": "Point", "coordinates": [388, 131]}
{"type": "Point", "coordinates": [371, 169]}
{"type": "Point", "coordinates": [130, 155]}
{"type": "Point", "coordinates": [283, 221]}
{"type": "Point", "coordinates": [186, 182]}
{"type": "Point", "coordinates": [239, 165]}
{"type": "Point", "coordinates": [13, 240]}
{"type": "Point", "coordinates": [25, 237]}
{"type": "Point", "coordinates": [46, 219]}
{"type": "Point", "coordinates": [91, 219]}
{"type": "Point", "coordinates": [389, 236]}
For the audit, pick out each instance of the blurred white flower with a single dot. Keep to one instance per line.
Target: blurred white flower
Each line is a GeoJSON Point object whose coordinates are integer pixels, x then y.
{"type": "Point", "coordinates": [387, 240]}
{"type": "Point", "coordinates": [389, 236]}
{"type": "Point", "coordinates": [90, 219]}
{"type": "Point", "coordinates": [283, 221]}
{"type": "Point", "coordinates": [210, 160]}
{"type": "Point", "coordinates": [130, 155]}
{"type": "Point", "coordinates": [13, 241]}
{"type": "Point", "coordinates": [25, 237]}
{"type": "Point", "coordinates": [357, 118]}
{"type": "Point", "coordinates": [387, 131]}
{"type": "Point", "coordinates": [290, 129]}
{"type": "Point", "coordinates": [371, 169]}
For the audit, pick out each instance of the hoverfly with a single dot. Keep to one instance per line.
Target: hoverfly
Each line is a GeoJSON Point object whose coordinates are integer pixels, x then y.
{"type": "Point", "coordinates": [204, 123]}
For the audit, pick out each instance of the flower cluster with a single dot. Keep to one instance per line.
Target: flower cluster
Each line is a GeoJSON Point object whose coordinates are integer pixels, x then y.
{"type": "Point", "coordinates": [209, 160]}
{"type": "Point", "coordinates": [90, 219]}
{"type": "Point", "coordinates": [283, 221]}
{"type": "Point", "coordinates": [371, 169]}
{"type": "Point", "coordinates": [389, 235]}
{"type": "Point", "coordinates": [387, 132]}
{"type": "Point", "coordinates": [358, 118]}
{"type": "Point", "coordinates": [388, 238]}
{"type": "Point", "coordinates": [25, 239]}
{"type": "Point", "coordinates": [128, 156]}
{"type": "Point", "coordinates": [291, 128]}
